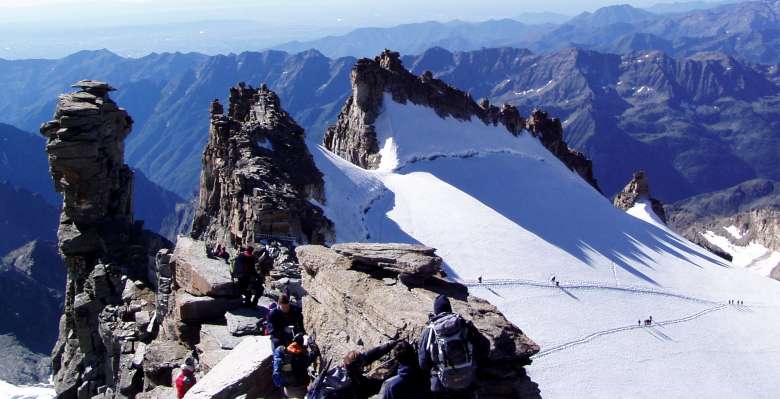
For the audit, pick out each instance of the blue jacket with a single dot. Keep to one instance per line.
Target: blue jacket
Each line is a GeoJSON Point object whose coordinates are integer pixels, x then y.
{"type": "Point", "coordinates": [410, 382]}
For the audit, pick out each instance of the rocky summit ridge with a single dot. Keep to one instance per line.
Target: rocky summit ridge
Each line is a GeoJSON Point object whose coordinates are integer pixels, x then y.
{"type": "Point", "coordinates": [258, 175]}
{"type": "Point", "coordinates": [354, 138]}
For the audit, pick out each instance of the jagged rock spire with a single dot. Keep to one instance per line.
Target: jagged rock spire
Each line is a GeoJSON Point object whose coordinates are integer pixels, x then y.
{"type": "Point", "coordinates": [258, 175]}
{"type": "Point", "coordinates": [636, 190]}
{"type": "Point", "coordinates": [99, 242]}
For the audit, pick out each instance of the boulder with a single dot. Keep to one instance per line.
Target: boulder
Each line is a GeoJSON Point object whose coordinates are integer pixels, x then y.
{"type": "Point", "coordinates": [159, 392]}
{"type": "Point", "coordinates": [161, 357]}
{"type": "Point", "coordinates": [775, 274]}
{"type": "Point", "coordinates": [349, 308]}
{"type": "Point", "coordinates": [190, 308]}
{"type": "Point", "coordinates": [220, 334]}
{"type": "Point", "coordinates": [246, 370]}
{"type": "Point", "coordinates": [245, 321]}
{"type": "Point", "coordinates": [210, 348]}
{"type": "Point", "coordinates": [412, 263]}
{"type": "Point", "coordinates": [198, 274]}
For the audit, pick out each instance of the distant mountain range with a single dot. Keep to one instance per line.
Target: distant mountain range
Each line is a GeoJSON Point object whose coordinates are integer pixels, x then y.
{"type": "Point", "coordinates": [748, 30]}
{"type": "Point", "coordinates": [695, 124]}
{"type": "Point", "coordinates": [418, 37]}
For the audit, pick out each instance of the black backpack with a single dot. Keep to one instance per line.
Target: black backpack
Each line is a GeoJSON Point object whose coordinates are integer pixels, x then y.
{"type": "Point", "coordinates": [238, 267]}
{"type": "Point", "coordinates": [450, 348]}
{"type": "Point", "coordinates": [332, 384]}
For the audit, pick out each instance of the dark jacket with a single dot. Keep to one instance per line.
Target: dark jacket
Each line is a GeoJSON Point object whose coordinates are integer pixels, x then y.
{"type": "Point", "coordinates": [359, 386]}
{"type": "Point", "coordinates": [480, 344]}
{"type": "Point", "coordinates": [410, 382]}
{"type": "Point", "coordinates": [278, 321]}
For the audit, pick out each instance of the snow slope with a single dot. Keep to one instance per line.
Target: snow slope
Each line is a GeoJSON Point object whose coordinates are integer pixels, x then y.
{"type": "Point", "coordinates": [9, 391]}
{"type": "Point", "coordinates": [504, 208]}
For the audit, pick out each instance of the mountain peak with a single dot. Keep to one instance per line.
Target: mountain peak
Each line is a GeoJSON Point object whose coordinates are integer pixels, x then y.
{"type": "Point", "coordinates": [354, 138]}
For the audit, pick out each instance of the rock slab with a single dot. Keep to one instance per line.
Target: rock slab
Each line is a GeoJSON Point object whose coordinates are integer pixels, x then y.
{"type": "Point", "coordinates": [246, 370]}
{"type": "Point", "coordinates": [199, 275]}
{"type": "Point", "coordinates": [349, 308]}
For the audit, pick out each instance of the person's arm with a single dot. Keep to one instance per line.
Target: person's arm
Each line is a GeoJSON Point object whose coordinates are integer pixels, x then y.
{"type": "Point", "coordinates": [480, 343]}
{"type": "Point", "coordinates": [375, 354]}
{"type": "Point", "coordinates": [274, 329]}
{"type": "Point", "coordinates": [299, 327]}
{"type": "Point", "coordinates": [423, 354]}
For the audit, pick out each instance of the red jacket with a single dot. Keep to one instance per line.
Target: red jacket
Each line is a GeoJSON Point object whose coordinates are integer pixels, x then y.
{"type": "Point", "coordinates": [184, 382]}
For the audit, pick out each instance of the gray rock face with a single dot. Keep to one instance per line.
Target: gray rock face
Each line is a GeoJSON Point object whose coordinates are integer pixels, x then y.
{"type": "Point", "coordinates": [199, 275]}
{"type": "Point", "coordinates": [353, 136]}
{"type": "Point", "coordinates": [636, 190]}
{"type": "Point", "coordinates": [257, 176]}
{"type": "Point", "coordinates": [191, 308]}
{"type": "Point", "coordinates": [101, 246]}
{"type": "Point", "coordinates": [753, 207]}
{"type": "Point", "coordinates": [412, 263]}
{"type": "Point", "coordinates": [348, 308]}
{"type": "Point", "coordinates": [245, 321]}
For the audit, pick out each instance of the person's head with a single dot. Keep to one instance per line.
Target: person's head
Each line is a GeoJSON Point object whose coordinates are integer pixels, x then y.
{"type": "Point", "coordinates": [404, 354]}
{"type": "Point", "coordinates": [250, 249]}
{"type": "Point", "coordinates": [442, 305]}
{"type": "Point", "coordinates": [284, 303]}
{"type": "Point", "coordinates": [189, 364]}
{"type": "Point", "coordinates": [353, 362]}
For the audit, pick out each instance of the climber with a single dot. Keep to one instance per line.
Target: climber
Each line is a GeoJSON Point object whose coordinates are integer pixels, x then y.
{"type": "Point", "coordinates": [186, 378]}
{"type": "Point", "coordinates": [291, 366]}
{"type": "Point", "coordinates": [347, 381]}
{"type": "Point", "coordinates": [244, 273]}
{"type": "Point", "coordinates": [284, 322]}
{"type": "Point", "coordinates": [448, 336]}
{"type": "Point", "coordinates": [410, 382]}
{"type": "Point", "coordinates": [222, 253]}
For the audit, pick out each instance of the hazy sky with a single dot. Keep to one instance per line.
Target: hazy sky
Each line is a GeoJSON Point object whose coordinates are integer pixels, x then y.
{"type": "Point", "coordinates": [319, 13]}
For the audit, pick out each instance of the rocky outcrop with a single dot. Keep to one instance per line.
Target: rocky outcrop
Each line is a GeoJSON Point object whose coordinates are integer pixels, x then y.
{"type": "Point", "coordinates": [752, 207]}
{"type": "Point", "coordinates": [244, 371]}
{"type": "Point", "coordinates": [108, 299]}
{"type": "Point", "coordinates": [258, 175]}
{"type": "Point", "coordinates": [353, 136]}
{"type": "Point", "coordinates": [638, 189]}
{"type": "Point", "coordinates": [351, 306]}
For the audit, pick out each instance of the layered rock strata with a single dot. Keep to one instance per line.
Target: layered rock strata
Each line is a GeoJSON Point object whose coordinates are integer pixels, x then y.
{"type": "Point", "coordinates": [109, 302]}
{"type": "Point", "coordinates": [353, 306]}
{"type": "Point", "coordinates": [353, 136]}
{"type": "Point", "coordinates": [638, 189]}
{"type": "Point", "coordinates": [258, 176]}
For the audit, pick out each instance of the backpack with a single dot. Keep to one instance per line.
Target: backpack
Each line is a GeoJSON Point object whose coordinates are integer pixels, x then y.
{"type": "Point", "coordinates": [238, 267]}
{"type": "Point", "coordinates": [332, 384]}
{"type": "Point", "coordinates": [289, 369]}
{"type": "Point", "coordinates": [452, 352]}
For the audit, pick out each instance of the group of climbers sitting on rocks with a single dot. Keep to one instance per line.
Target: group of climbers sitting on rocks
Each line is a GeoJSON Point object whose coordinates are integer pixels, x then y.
{"type": "Point", "coordinates": [444, 365]}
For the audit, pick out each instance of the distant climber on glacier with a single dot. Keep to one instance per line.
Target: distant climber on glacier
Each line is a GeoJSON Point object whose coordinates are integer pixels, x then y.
{"type": "Point", "coordinates": [284, 322]}
{"type": "Point", "coordinates": [452, 350]}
